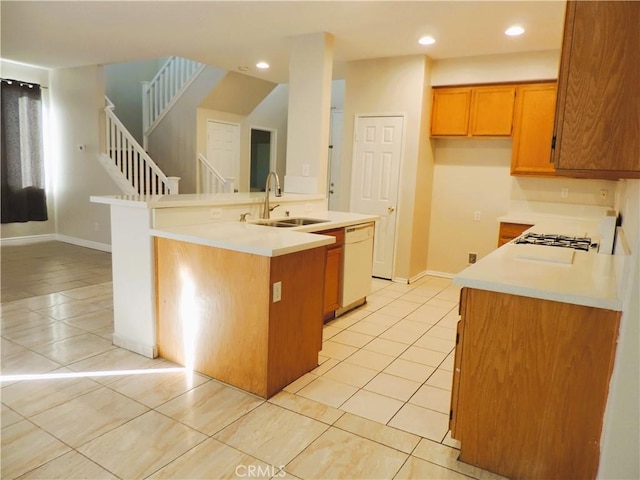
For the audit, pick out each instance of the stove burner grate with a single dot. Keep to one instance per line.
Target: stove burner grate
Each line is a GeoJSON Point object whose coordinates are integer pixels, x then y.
{"type": "Point", "coordinates": [554, 240]}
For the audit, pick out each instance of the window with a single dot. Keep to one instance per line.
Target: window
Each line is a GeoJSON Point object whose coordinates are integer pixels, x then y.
{"type": "Point", "coordinates": [22, 169]}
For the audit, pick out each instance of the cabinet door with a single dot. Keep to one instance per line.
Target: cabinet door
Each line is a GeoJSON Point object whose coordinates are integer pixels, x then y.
{"type": "Point", "coordinates": [533, 129]}
{"type": "Point", "coordinates": [597, 118]}
{"type": "Point", "coordinates": [492, 111]}
{"type": "Point", "coordinates": [450, 111]}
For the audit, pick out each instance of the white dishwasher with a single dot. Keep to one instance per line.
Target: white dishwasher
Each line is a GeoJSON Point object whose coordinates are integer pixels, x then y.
{"type": "Point", "coordinates": [358, 261]}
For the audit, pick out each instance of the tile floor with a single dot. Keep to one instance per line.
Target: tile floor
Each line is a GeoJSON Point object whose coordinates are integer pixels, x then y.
{"type": "Point", "coordinates": [376, 406]}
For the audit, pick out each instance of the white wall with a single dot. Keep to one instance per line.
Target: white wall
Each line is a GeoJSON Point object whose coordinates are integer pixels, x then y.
{"type": "Point", "coordinates": [41, 77]}
{"type": "Point", "coordinates": [621, 436]}
{"type": "Point", "coordinates": [469, 175]}
{"type": "Point", "coordinates": [513, 67]}
{"type": "Point", "coordinates": [172, 145]}
{"type": "Point", "coordinates": [123, 86]}
{"type": "Point", "coordinates": [473, 174]}
{"type": "Point", "coordinates": [391, 86]}
{"type": "Point", "coordinates": [77, 103]}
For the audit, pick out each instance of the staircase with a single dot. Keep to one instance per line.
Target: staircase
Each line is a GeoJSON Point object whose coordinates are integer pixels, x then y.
{"type": "Point", "coordinates": [165, 89]}
{"type": "Point", "coordinates": [210, 180]}
{"type": "Point", "coordinates": [129, 164]}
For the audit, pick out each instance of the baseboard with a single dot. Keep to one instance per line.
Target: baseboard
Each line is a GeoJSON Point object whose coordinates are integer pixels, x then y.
{"type": "Point", "coordinates": [28, 240]}
{"type": "Point", "coordinates": [149, 351]}
{"type": "Point", "coordinates": [81, 242]}
{"type": "Point", "coordinates": [434, 273]}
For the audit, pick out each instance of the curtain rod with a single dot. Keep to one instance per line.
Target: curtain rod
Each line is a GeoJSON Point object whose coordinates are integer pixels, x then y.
{"type": "Point", "coordinates": [22, 83]}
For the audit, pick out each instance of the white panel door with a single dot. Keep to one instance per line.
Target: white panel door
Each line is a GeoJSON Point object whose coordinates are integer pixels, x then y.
{"type": "Point", "coordinates": [375, 173]}
{"type": "Point", "coordinates": [223, 148]}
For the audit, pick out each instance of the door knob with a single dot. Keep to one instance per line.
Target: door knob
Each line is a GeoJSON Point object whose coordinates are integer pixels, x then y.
{"type": "Point", "coordinates": [391, 209]}
{"type": "Point", "coordinates": [330, 191]}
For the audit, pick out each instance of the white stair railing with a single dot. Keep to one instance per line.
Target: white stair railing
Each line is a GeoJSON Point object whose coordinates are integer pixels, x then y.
{"type": "Point", "coordinates": [132, 161]}
{"type": "Point", "coordinates": [165, 88]}
{"type": "Point", "coordinates": [209, 180]}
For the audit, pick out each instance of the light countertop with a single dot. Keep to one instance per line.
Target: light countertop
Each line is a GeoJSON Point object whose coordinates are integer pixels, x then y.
{"type": "Point", "coordinates": [249, 237]}
{"type": "Point", "coordinates": [198, 199]}
{"type": "Point", "coordinates": [559, 274]}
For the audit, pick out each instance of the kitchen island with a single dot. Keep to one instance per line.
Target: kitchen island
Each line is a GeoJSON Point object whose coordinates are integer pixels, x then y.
{"type": "Point", "coordinates": [535, 350]}
{"type": "Point", "coordinates": [195, 285]}
{"type": "Point", "coordinates": [249, 312]}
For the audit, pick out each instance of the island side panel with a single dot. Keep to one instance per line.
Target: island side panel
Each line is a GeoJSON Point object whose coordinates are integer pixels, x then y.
{"type": "Point", "coordinates": [134, 305]}
{"type": "Point", "coordinates": [213, 312]}
{"type": "Point", "coordinates": [295, 327]}
{"type": "Point", "coordinates": [533, 385]}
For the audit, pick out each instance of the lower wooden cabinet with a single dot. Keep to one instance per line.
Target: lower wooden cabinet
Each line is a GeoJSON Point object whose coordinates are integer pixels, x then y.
{"type": "Point", "coordinates": [216, 313]}
{"type": "Point", "coordinates": [333, 272]}
{"type": "Point", "coordinates": [531, 380]}
{"type": "Point", "coordinates": [509, 231]}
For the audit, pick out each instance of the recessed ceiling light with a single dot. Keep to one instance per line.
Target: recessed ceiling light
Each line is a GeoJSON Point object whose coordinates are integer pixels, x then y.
{"type": "Point", "coordinates": [427, 40]}
{"type": "Point", "coordinates": [514, 31]}
{"type": "Point", "coordinates": [262, 65]}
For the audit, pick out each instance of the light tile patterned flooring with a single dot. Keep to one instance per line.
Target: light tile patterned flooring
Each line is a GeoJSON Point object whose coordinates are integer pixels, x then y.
{"type": "Point", "coordinates": [376, 406]}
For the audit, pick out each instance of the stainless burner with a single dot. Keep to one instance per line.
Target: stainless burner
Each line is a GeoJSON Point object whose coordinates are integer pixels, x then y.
{"type": "Point", "coordinates": [553, 240]}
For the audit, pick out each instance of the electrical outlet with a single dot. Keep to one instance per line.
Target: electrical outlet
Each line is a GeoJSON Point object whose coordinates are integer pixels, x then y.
{"type": "Point", "coordinates": [473, 257]}
{"type": "Point", "coordinates": [564, 193]}
{"type": "Point", "coordinates": [277, 292]}
{"type": "Point", "coordinates": [476, 216]}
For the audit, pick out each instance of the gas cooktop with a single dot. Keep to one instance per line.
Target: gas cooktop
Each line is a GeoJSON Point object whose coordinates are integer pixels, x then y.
{"type": "Point", "coordinates": [554, 240]}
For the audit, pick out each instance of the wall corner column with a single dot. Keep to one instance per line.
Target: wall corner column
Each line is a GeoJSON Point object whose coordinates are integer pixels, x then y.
{"type": "Point", "coordinates": [310, 75]}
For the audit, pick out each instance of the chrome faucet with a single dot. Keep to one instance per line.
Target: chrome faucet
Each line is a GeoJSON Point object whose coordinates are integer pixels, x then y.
{"type": "Point", "coordinates": [266, 211]}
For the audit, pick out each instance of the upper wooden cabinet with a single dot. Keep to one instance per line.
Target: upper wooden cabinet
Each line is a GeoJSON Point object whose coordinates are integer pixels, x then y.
{"type": "Point", "coordinates": [472, 111]}
{"type": "Point", "coordinates": [450, 111]}
{"type": "Point", "coordinates": [533, 129]}
{"type": "Point", "coordinates": [598, 112]}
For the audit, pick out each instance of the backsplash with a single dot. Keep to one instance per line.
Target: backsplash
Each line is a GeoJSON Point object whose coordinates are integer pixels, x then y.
{"type": "Point", "coordinates": [564, 190]}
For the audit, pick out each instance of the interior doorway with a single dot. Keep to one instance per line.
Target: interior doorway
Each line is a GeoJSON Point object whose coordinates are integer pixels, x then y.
{"type": "Point", "coordinates": [374, 182]}
{"type": "Point", "coordinates": [263, 157]}
{"type": "Point", "coordinates": [223, 148]}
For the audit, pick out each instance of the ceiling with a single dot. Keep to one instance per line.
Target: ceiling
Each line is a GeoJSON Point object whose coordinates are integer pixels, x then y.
{"type": "Point", "coordinates": [232, 34]}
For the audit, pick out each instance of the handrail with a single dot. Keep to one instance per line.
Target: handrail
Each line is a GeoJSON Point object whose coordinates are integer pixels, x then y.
{"type": "Point", "coordinates": [205, 182]}
{"type": "Point", "coordinates": [131, 159]}
{"type": "Point", "coordinates": [161, 92]}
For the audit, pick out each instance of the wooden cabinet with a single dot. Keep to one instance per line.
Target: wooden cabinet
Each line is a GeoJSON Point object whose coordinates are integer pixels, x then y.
{"type": "Point", "coordinates": [509, 231]}
{"type": "Point", "coordinates": [450, 111]}
{"type": "Point", "coordinates": [472, 111]}
{"type": "Point", "coordinates": [533, 129]}
{"type": "Point", "coordinates": [597, 117]}
{"type": "Point", "coordinates": [216, 313]}
{"type": "Point", "coordinates": [531, 380]}
{"type": "Point", "coordinates": [333, 272]}
{"type": "Point", "coordinates": [492, 110]}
